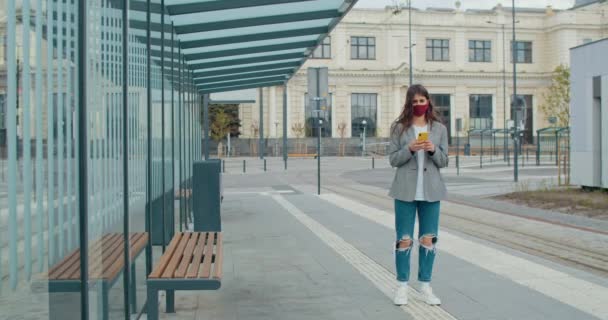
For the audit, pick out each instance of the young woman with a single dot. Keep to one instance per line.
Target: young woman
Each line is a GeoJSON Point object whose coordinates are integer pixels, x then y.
{"type": "Point", "coordinates": [417, 188]}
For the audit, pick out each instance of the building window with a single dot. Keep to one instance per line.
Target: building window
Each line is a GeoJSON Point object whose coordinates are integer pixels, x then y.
{"type": "Point", "coordinates": [480, 111]}
{"type": "Point", "coordinates": [311, 127]}
{"type": "Point", "coordinates": [480, 51]}
{"type": "Point", "coordinates": [323, 51]}
{"type": "Point", "coordinates": [363, 48]}
{"type": "Point", "coordinates": [437, 50]}
{"type": "Point", "coordinates": [523, 52]}
{"type": "Point", "coordinates": [526, 116]}
{"type": "Point", "coordinates": [363, 107]}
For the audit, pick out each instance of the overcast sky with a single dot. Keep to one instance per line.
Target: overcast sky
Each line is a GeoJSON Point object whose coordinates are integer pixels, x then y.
{"type": "Point", "coordinates": [468, 4]}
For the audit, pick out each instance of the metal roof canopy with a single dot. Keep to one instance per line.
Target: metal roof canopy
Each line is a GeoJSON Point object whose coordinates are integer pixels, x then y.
{"type": "Point", "coordinates": [239, 44]}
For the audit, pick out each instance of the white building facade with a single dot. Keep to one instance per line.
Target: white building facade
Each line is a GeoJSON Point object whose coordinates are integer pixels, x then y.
{"type": "Point", "coordinates": [458, 55]}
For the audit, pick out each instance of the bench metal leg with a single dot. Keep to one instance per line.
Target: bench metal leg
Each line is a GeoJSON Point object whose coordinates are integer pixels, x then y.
{"type": "Point", "coordinates": [170, 301]}
{"type": "Point", "coordinates": [133, 291]}
{"type": "Point", "coordinates": [104, 305]}
{"type": "Point", "coordinates": [152, 303]}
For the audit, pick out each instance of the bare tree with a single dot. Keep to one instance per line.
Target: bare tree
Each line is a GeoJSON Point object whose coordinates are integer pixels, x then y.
{"type": "Point", "coordinates": [557, 98]}
{"type": "Point", "coordinates": [255, 130]}
{"type": "Point", "coordinates": [298, 129]}
{"type": "Point", "coordinates": [219, 129]}
{"type": "Point", "coordinates": [342, 132]}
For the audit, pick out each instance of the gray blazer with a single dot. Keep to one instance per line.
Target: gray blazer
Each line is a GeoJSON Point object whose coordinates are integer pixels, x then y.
{"type": "Point", "coordinates": [406, 177]}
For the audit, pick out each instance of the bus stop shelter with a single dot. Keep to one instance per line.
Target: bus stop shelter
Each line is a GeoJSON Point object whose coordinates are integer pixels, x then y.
{"type": "Point", "coordinates": [119, 87]}
{"type": "Point", "coordinates": [548, 142]}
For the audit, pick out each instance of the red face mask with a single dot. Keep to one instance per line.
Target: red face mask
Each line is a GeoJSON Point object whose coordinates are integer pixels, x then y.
{"type": "Point", "coordinates": [420, 109]}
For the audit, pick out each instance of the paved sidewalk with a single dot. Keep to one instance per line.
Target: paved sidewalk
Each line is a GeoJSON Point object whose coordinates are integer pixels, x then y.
{"type": "Point", "coordinates": [290, 254]}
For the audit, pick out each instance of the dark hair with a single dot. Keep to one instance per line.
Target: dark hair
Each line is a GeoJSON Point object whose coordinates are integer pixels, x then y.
{"type": "Point", "coordinates": [407, 115]}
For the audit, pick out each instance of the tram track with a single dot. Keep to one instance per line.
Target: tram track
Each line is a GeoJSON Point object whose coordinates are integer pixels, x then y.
{"type": "Point", "coordinates": [569, 254]}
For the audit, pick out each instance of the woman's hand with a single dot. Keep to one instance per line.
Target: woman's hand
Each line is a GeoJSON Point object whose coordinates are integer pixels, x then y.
{"type": "Point", "coordinates": [416, 145]}
{"type": "Point", "coordinates": [429, 146]}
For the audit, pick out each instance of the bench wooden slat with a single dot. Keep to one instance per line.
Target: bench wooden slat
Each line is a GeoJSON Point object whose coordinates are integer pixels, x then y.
{"type": "Point", "coordinates": [65, 265]}
{"type": "Point", "coordinates": [95, 260]}
{"type": "Point", "coordinates": [139, 245]}
{"type": "Point", "coordinates": [177, 256]}
{"type": "Point", "coordinates": [69, 273]}
{"type": "Point", "coordinates": [187, 258]}
{"type": "Point", "coordinates": [206, 270]}
{"type": "Point", "coordinates": [111, 270]}
{"type": "Point", "coordinates": [183, 193]}
{"type": "Point", "coordinates": [217, 267]}
{"type": "Point", "coordinates": [109, 254]}
{"type": "Point", "coordinates": [301, 155]}
{"type": "Point", "coordinates": [166, 257]}
{"type": "Point", "coordinates": [198, 256]}
{"type": "Point", "coordinates": [97, 257]}
{"type": "Point", "coordinates": [105, 264]}
{"type": "Point", "coordinates": [73, 259]}
{"type": "Point", "coordinates": [116, 262]}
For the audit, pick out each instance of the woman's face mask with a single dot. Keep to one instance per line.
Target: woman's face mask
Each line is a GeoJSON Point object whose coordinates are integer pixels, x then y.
{"type": "Point", "coordinates": [420, 109]}
{"type": "Point", "coordinates": [420, 105]}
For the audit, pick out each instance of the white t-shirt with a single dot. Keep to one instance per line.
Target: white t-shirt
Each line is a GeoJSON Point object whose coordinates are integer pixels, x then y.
{"type": "Point", "coordinates": [421, 158]}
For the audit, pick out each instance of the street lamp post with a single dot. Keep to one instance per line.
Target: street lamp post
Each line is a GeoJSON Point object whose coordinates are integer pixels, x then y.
{"type": "Point", "coordinates": [409, 20]}
{"type": "Point", "coordinates": [364, 123]}
{"type": "Point", "coordinates": [504, 88]}
{"type": "Point", "coordinates": [276, 139]}
{"type": "Point", "coordinates": [397, 10]}
{"type": "Point", "coordinates": [514, 100]}
{"type": "Point", "coordinates": [319, 154]}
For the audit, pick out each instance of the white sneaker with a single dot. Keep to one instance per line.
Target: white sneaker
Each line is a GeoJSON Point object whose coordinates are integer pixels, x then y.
{"type": "Point", "coordinates": [427, 296]}
{"type": "Point", "coordinates": [401, 296]}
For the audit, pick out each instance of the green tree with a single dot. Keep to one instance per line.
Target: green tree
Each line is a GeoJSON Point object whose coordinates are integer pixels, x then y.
{"type": "Point", "coordinates": [220, 127]}
{"type": "Point", "coordinates": [557, 97]}
{"type": "Point", "coordinates": [230, 110]}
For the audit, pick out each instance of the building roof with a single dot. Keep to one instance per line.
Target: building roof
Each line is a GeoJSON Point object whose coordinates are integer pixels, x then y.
{"type": "Point", "coordinates": [589, 43]}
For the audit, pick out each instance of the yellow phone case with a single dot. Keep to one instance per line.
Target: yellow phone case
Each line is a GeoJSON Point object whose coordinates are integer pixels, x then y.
{"type": "Point", "coordinates": [423, 136]}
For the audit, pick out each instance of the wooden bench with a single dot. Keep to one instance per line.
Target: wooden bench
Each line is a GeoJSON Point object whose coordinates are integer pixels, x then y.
{"type": "Point", "coordinates": [192, 261]}
{"type": "Point", "coordinates": [183, 194]}
{"type": "Point", "coordinates": [106, 263]}
{"type": "Point", "coordinates": [302, 155]}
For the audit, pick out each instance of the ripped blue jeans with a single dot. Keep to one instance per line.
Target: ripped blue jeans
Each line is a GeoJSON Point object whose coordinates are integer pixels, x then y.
{"type": "Point", "coordinates": [428, 226]}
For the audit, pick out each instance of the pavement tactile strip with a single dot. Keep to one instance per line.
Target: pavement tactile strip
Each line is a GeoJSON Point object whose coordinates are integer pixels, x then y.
{"type": "Point", "coordinates": [378, 275]}
{"type": "Point", "coordinates": [580, 294]}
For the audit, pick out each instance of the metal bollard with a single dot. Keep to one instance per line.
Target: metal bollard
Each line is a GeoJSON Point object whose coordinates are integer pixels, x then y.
{"type": "Point", "coordinates": [373, 163]}
{"type": "Point", "coordinates": [224, 166]}
{"type": "Point", "coordinates": [244, 166]}
{"type": "Point", "coordinates": [264, 165]}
